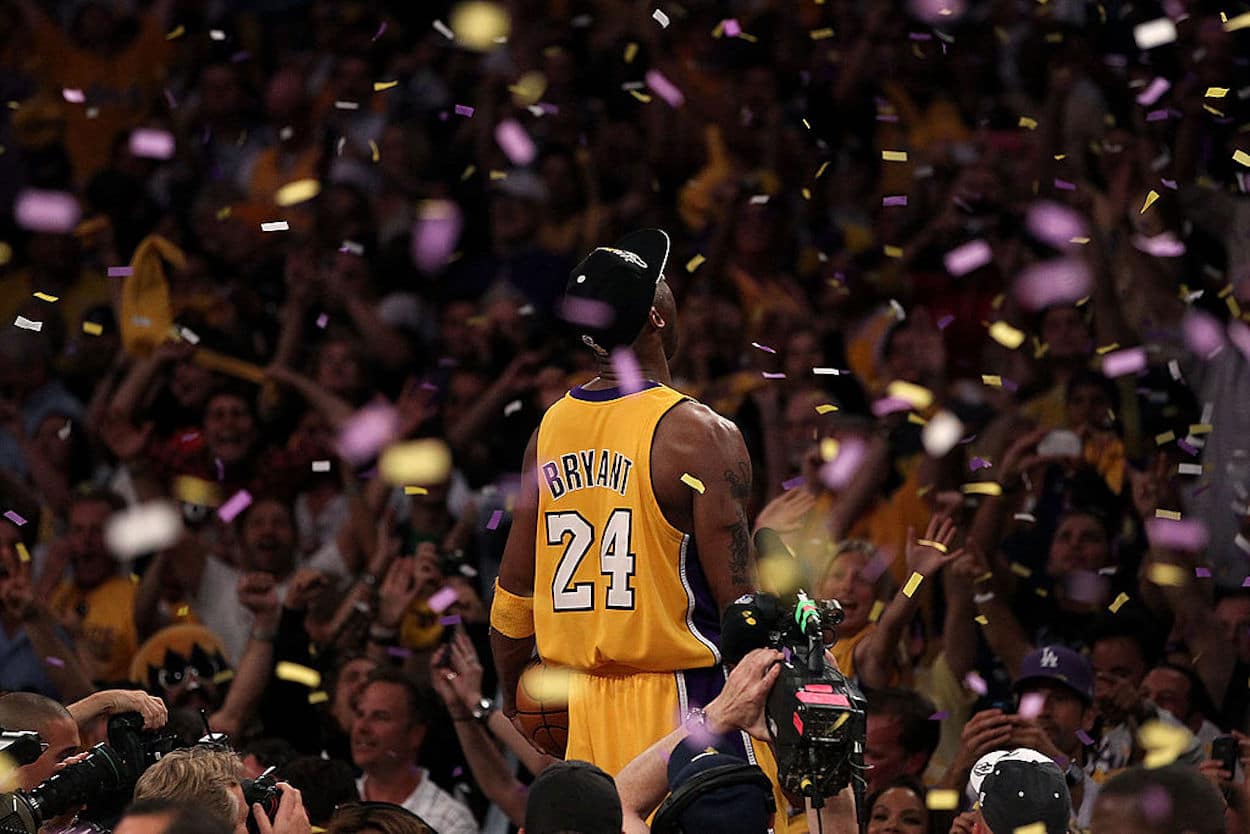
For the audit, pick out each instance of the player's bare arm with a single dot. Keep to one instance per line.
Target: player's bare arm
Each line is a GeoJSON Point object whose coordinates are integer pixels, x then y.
{"type": "Point", "coordinates": [694, 440]}
{"type": "Point", "coordinates": [516, 577]}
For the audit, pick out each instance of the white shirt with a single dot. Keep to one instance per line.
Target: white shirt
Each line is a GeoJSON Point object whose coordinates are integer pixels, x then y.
{"type": "Point", "coordinates": [216, 604]}
{"type": "Point", "coordinates": [434, 805]}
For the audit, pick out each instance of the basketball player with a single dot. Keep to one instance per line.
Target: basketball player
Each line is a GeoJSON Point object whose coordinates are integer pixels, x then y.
{"type": "Point", "coordinates": [630, 534]}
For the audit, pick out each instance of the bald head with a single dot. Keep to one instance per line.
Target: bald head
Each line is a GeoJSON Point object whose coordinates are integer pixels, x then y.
{"type": "Point", "coordinates": [55, 726]}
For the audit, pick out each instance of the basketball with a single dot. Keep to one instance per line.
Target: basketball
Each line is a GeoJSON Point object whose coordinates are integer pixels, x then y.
{"type": "Point", "coordinates": [542, 700]}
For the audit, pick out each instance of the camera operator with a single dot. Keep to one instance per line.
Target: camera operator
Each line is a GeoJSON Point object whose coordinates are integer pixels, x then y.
{"type": "Point", "coordinates": [210, 778]}
{"type": "Point", "coordinates": [740, 706]}
{"type": "Point", "coordinates": [163, 816]}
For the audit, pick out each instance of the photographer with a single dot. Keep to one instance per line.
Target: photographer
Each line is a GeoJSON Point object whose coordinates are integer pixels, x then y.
{"type": "Point", "coordinates": [211, 778]}
{"type": "Point", "coordinates": [740, 706]}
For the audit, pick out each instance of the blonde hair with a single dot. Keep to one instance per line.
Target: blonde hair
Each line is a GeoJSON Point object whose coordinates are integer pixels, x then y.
{"type": "Point", "coordinates": [884, 586]}
{"type": "Point", "coordinates": [202, 776]}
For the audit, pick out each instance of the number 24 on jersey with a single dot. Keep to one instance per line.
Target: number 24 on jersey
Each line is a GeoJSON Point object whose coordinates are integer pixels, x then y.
{"type": "Point", "coordinates": [616, 561]}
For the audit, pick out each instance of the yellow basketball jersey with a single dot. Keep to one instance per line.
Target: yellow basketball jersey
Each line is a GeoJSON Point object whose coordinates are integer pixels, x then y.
{"type": "Point", "coordinates": [617, 588]}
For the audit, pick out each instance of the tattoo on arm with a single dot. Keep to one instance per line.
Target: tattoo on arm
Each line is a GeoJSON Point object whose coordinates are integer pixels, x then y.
{"type": "Point", "coordinates": [739, 545]}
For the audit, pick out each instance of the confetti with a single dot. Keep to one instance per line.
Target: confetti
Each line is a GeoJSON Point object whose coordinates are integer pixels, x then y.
{"type": "Point", "coordinates": [941, 800]}
{"type": "Point", "coordinates": [1153, 92]}
{"type": "Point", "coordinates": [148, 143]}
{"type": "Point", "coordinates": [1022, 571]}
{"type": "Point", "coordinates": [914, 395]}
{"type": "Point", "coordinates": [73, 95]}
{"type": "Point", "coordinates": [631, 52]}
{"type": "Point", "coordinates": [379, 86]}
{"type": "Point", "coordinates": [585, 311]}
{"type": "Point", "coordinates": [374, 153]}
{"type": "Point", "coordinates": [515, 142]}
{"type": "Point", "coordinates": [692, 482]}
{"type": "Point", "coordinates": [1168, 575]}
{"type": "Point", "coordinates": [275, 226]}
{"type": "Point", "coordinates": [143, 528]}
{"type": "Point", "coordinates": [1189, 469]}
{"type": "Point", "coordinates": [1216, 92]}
{"type": "Point", "coordinates": [15, 518]}
{"type": "Point", "coordinates": [296, 192]}
{"type": "Point", "coordinates": [1032, 828]}
{"type": "Point", "coordinates": [1154, 33]}
{"type": "Point", "coordinates": [480, 25]}
{"type": "Point", "coordinates": [825, 408]}
{"type": "Point", "coordinates": [1202, 332]}
{"type": "Point", "coordinates": [1150, 200]}
{"type": "Point", "coordinates": [321, 466]}
{"type": "Point", "coordinates": [318, 697]}
{"type": "Point", "coordinates": [1006, 335]}
{"type": "Point", "coordinates": [976, 683]}
{"type": "Point", "coordinates": [842, 465]}
{"type": "Point", "coordinates": [878, 608]}
{"type": "Point", "coordinates": [694, 263]}
{"type": "Point", "coordinates": [495, 518]}
{"type": "Point", "coordinates": [731, 27]}
{"type": "Point", "coordinates": [1028, 123]}
{"type": "Point", "coordinates": [365, 433]}
{"type": "Point", "coordinates": [983, 488]}
{"type": "Point", "coordinates": [894, 200]}
{"type": "Point", "coordinates": [294, 672]}
{"type": "Point", "coordinates": [464, 110]}
{"type": "Point", "coordinates": [1031, 705]}
{"type": "Point", "coordinates": [1118, 602]}
{"type": "Point", "coordinates": [893, 251]}
{"type": "Point", "coordinates": [442, 29]}
{"type": "Point", "coordinates": [424, 461]}
{"type": "Point", "coordinates": [992, 380]}
{"type": "Point", "coordinates": [1124, 362]}
{"type": "Point", "coordinates": [793, 483]}
{"type": "Point", "coordinates": [664, 88]}
{"type": "Point", "coordinates": [1188, 534]}
{"type": "Point", "coordinates": [27, 324]}
{"type": "Point", "coordinates": [940, 715]}
{"type": "Point", "coordinates": [1053, 282]}
{"type": "Point", "coordinates": [55, 212]}
{"type": "Point", "coordinates": [1054, 224]}
{"type": "Point", "coordinates": [969, 257]}
{"type": "Point", "coordinates": [416, 490]}
{"type": "Point", "coordinates": [1163, 742]}
{"type": "Point", "coordinates": [1241, 157]}
{"type": "Point", "coordinates": [23, 555]}
{"type": "Point", "coordinates": [234, 505]}
{"type": "Point", "coordinates": [442, 599]}
{"type": "Point", "coordinates": [913, 582]}
{"type": "Point", "coordinates": [43, 296]}
{"type": "Point", "coordinates": [435, 234]}
{"type": "Point", "coordinates": [628, 372]}
{"type": "Point", "coordinates": [894, 156]}
{"type": "Point", "coordinates": [660, 18]}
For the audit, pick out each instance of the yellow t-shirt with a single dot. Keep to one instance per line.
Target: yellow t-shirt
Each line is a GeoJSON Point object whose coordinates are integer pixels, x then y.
{"type": "Point", "coordinates": [102, 622]}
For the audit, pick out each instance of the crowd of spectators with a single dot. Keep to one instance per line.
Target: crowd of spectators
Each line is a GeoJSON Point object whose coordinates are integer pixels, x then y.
{"type": "Point", "coordinates": [971, 268]}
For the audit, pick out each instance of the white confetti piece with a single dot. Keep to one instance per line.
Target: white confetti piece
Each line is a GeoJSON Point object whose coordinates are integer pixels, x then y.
{"type": "Point", "coordinates": [511, 408]}
{"type": "Point", "coordinates": [1154, 33]}
{"type": "Point", "coordinates": [321, 466]}
{"type": "Point", "coordinates": [143, 528]}
{"type": "Point", "coordinates": [444, 30]}
{"type": "Point", "coordinates": [660, 18]}
{"type": "Point", "coordinates": [148, 143]}
{"type": "Point", "coordinates": [27, 324]}
{"type": "Point", "coordinates": [941, 434]}
{"type": "Point", "coordinates": [275, 226]}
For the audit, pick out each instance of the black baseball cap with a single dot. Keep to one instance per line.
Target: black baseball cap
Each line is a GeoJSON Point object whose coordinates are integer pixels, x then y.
{"type": "Point", "coordinates": [573, 796]}
{"type": "Point", "coordinates": [1021, 787]}
{"type": "Point", "coordinates": [615, 286]}
{"type": "Point", "coordinates": [727, 795]}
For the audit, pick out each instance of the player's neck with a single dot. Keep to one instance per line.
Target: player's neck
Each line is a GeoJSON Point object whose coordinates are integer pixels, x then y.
{"type": "Point", "coordinates": [651, 365]}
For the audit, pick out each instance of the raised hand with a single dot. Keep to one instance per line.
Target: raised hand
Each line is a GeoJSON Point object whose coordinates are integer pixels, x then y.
{"type": "Point", "coordinates": [258, 593]}
{"type": "Point", "coordinates": [930, 554]}
{"type": "Point", "coordinates": [397, 592]}
{"type": "Point", "coordinates": [787, 512]}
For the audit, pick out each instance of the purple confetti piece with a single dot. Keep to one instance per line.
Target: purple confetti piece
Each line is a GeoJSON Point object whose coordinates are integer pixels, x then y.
{"type": "Point", "coordinates": [323, 320]}
{"type": "Point", "coordinates": [976, 683]}
{"type": "Point", "coordinates": [240, 56]}
{"type": "Point", "coordinates": [495, 518]}
{"type": "Point", "coordinates": [1085, 586]}
{"type": "Point", "coordinates": [381, 31]}
{"type": "Point", "coordinates": [732, 28]}
{"type": "Point", "coordinates": [1153, 92]}
{"type": "Point", "coordinates": [37, 210]}
{"type": "Point", "coordinates": [1202, 333]}
{"type": "Point", "coordinates": [366, 432]}
{"type": "Point", "coordinates": [1158, 115]}
{"type": "Point", "coordinates": [221, 469]}
{"type": "Point", "coordinates": [665, 89]}
{"type": "Point", "coordinates": [771, 375]}
{"type": "Point", "coordinates": [464, 110]}
{"type": "Point", "coordinates": [628, 372]}
{"type": "Point", "coordinates": [945, 322]}
{"type": "Point", "coordinates": [457, 772]}
{"type": "Point", "coordinates": [1167, 183]}
{"type": "Point", "coordinates": [919, 36]}
{"type": "Point", "coordinates": [1055, 224]}
{"type": "Point", "coordinates": [1058, 281]}
{"type": "Point", "coordinates": [837, 473]}
{"type": "Point", "coordinates": [1031, 705]}
{"type": "Point", "coordinates": [73, 95]}
{"type": "Point", "coordinates": [1064, 185]}
{"type": "Point", "coordinates": [435, 234]}
{"type": "Point", "coordinates": [793, 483]}
{"type": "Point", "coordinates": [1202, 573]}
{"type": "Point", "coordinates": [1239, 335]}
{"type": "Point", "coordinates": [120, 271]}
{"type": "Point", "coordinates": [15, 518]}
{"type": "Point", "coordinates": [979, 463]}
{"type": "Point", "coordinates": [585, 311]}
{"type": "Point", "coordinates": [764, 348]}
{"type": "Point", "coordinates": [1164, 245]}
{"type": "Point", "coordinates": [1123, 362]}
{"type": "Point", "coordinates": [887, 117]}
{"type": "Point", "coordinates": [889, 405]}
{"type": "Point", "coordinates": [1084, 738]}
{"type": "Point", "coordinates": [147, 143]}
{"type": "Point", "coordinates": [399, 651]}
{"type": "Point", "coordinates": [449, 620]}
{"type": "Point", "coordinates": [940, 715]}
{"type": "Point", "coordinates": [236, 504]}
{"type": "Point", "coordinates": [1170, 534]}
{"type": "Point", "coordinates": [515, 142]}
{"type": "Point", "coordinates": [894, 200]}
{"type": "Point", "coordinates": [55, 661]}
{"type": "Point", "coordinates": [964, 259]}
{"type": "Point", "coordinates": [442, 599]}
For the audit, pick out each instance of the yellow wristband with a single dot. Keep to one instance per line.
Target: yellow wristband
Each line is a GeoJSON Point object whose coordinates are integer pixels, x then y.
{"type": "Point", "coordinates": [512, 615]}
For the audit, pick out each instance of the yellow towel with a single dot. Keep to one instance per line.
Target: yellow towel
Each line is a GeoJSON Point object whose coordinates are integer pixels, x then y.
{"type": "Point", "coordinates": [147, 315]}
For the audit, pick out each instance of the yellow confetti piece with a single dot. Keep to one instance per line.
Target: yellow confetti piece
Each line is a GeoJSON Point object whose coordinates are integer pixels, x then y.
{"type": "Point", "coordinates": [134, 577]}
{"type": "Point", "coordinates": [913, 582]}
{"type": "Point", "coordinates": [825, 408]}
{"type": "Point", "coordinates": [993, 380]}
{"type": "Point", "coordinates": [288, 671]}
{"type": "Point", "coordinates": [1200, 428]}
{"type": "Point", "coordinates": [6, 253]}
{"type": "Point", "coordinates": [1166, 437]}
{"type": "Point", "coordinates": [298, 191]}
{"type": "Point", "coordinates": [1213, 111]}
{"type": "Point", "coordinates": [23, 555]}
{"type": "Point", "coordinates": [425, 461]}
{"type": "Point", "coordinates": [894, 156]}
{"type": "Point", "coordinates": [748, 38]}
{"type": "Point", "coordinates": [915, 419]}
{"type": "Point", "coordinates": [1031, 828]}
{"type": "Point", "coordinates": [643, 97]}
{"type": "Point", "coordinates": [379, 86]}
{"type": "Point", "coordinates": [416, 490]}
{"type": "Point", "coordinates": [1060, 157]}
{"type": "Point", "coordinates": [828, 449]}
{"type": "Point", "coordinates": [468, 172]}
{"type": "Point", "coordinates": [191, 490]}
{"type": "Point", "coordinates": [1080, 241]}
{"type": "Point", "coordinates": [178, 32]}
{"type": "Point", "coordinates": [92, 328]}
{"type": "Point", "coordinates": [938, 546]}
{"type": "Point", "coordinates": [807, 195]}
{"type": "Point", "coordinates": [223, 213]}
{"type": "Point", "coordinates": [1163, 742]}
{"type": "Point", "coordinates": [374, 153]}
{"type": "Point", "coordinates": [807, 124]}
{"type": "Point", "coordinates": [821, 34]}
{"type": "Point", "coordinates": [981, 619]}
{"type": "Point", "coordinates": [182, 611]}
{"type": "Point", "coordinates": [1171, 515]}
{"type": "Point", "coordinates": [43, 296]}
{"type": "Point", "coordinates": [1022, 571]}
{"type": "Point", "coordinates": [941, 800]}
{"type": "Point", "coordinates": [694, 263]}
{"type": "Point", "coordinates": [223, 676]}
{"type": "Point", "coordinates": [1006, 335]}
{"type": "Point", "coordinates": [1241, 157]}
{"type": "Point", "coordinates": [916, 396]}
{"type": "Point", "coordinates": [1233, 306]}
{"type": "Point", "coordinates": [893, 251]}
{"type": "Point", "coordinates": [318, 697]}
{"type": "Point", "coordinates": [1041, 592]}
{"type": "Point", "coordinates": [1105, 349]}
{"type": "Point", "coordinates": [1118, 602]}
{"type": "Point", "coordinates": [1028, 123]}
{"type": "Point", "coordinates": [1216, 92]}
{"type": "Point", "coordinates": [631, 52]}
{"type": "Point", "coordinates": [821, 169]}
{"type": "Point", "coordinates": [1150, 200]}
{"type": "Point", "coordinates": [1172, 576]}
{"type": "Point", "coordinates": [878, 608]}
{"type": "Point", "coordinates": [693, 482]}
{"type": "Point", "coordinates": [1241, 21]}
{"type": "Point", "coordinates": [983, 488]}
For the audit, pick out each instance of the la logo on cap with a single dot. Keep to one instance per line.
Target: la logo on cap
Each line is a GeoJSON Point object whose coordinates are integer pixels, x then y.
{"type": "Point", "coordinates": [1050, 660]}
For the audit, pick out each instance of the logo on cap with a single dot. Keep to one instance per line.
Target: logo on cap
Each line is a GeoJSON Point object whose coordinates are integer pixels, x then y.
{"type": "Point", "coordinates": [628, 257]}
{"type": "Point", "coordinates": [1049, 660]}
